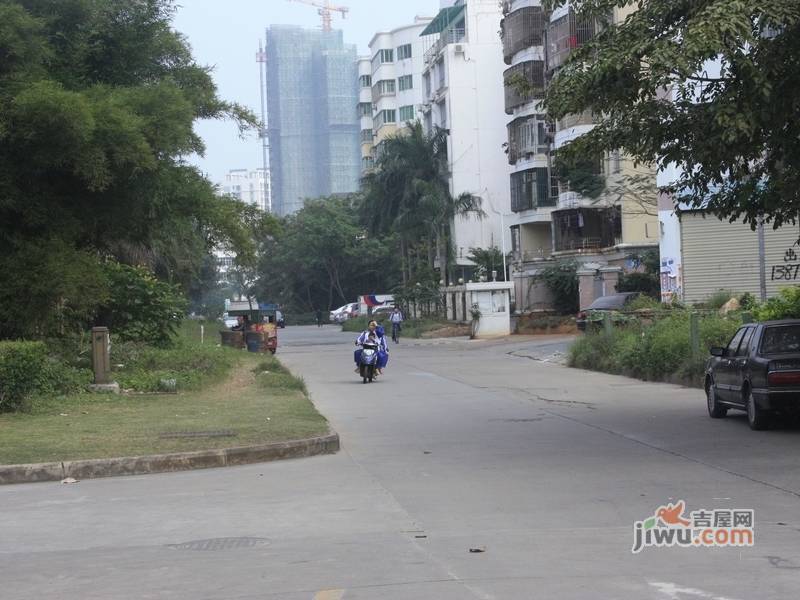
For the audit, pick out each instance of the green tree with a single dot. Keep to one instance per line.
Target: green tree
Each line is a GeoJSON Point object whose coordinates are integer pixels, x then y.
{"type": "Point", "coordinates": [734, 133]}
{"type": "Point", "coordinates": [561, 279]}
{"type": "Point", "coordinates": [408, 193]}
{"type": "Point", "coordinates": [97, 104]}
{"type": "Point", "coordinates": [321, 257]}
{"type": "Point", "coordinates": [486, 261]}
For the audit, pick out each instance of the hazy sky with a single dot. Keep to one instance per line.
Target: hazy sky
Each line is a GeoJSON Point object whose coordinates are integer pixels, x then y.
{"type": "Point", "coordinates": [224, 34]}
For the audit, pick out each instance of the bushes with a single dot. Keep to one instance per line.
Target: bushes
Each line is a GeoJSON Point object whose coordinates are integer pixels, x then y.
{"type": "Point", "coordinates": [21, 366]}
{"type": "Point", "coordinates": [142, 368]}
{"type": "Point", "coordinates": [562, 281]}
{"type": "Point", "coordinates": [659, 352]}
{"type": "Point", "coordinates": [786, 305]}
{"type": "Point", "coordinates": [140, 307]}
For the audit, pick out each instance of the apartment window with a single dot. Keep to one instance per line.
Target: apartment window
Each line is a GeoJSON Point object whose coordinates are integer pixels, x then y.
{"type": "Point", "coordinates": [404, 52]}
{"type": "Point", "coordinates": [384, 87]}
{"type": "Point", "coordinates": [366, 135]}
{"type": "Point", "coordinates": [406, 82]}
{"type": "Point", "coordinates": [383, 56]}
{"type": "Point", "coordinates": [406, 113]}
{"type": "Point", "coordinates": [440, 72]}
{"type": "Point", "coordinates": [365, 81]}
{"type": "Point", "coordinates": [385, 116]}
{"type": "Point", "coordinates": [427, 78]}
{"type": "Point", "coordinates": [530, 189]}
{"type": "Point", "coordinates": [527, 136]}
{"type": "Point", "coordinates": [442, 114]}
{"type": "Point", "coordinates": [365, 109]}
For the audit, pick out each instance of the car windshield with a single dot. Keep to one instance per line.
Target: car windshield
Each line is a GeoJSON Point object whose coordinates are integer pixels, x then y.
{"type": "Point", "coordinates": [781, 339]}
{"type": "Point", "coordinates": [612, 302]}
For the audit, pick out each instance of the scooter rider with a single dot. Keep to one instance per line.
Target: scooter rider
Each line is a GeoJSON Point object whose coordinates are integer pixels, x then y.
{"type": "Point", "coordinates": [373, 335]}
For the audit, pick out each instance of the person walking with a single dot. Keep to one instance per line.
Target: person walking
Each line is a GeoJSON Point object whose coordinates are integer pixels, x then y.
{"type": "Point", "coordinates": [319, 317]}
{"type": "Point", "coordinates": [397, 319]}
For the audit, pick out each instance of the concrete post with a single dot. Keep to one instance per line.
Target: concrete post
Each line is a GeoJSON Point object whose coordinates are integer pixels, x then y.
{"type": "Point", "coordinates": [608, 324]}
{"type": "Point", "coordinates": [101, 361]}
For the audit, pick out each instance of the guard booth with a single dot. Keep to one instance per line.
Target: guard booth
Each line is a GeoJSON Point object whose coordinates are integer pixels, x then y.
{"type": "Point", "coordinates": [259, 327]}
{"type": "Point", "coordinates": [490, 304]}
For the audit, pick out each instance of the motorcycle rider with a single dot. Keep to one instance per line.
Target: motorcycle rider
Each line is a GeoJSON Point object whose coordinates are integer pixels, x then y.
{"type": "Point", "coordinates": [374, 334]}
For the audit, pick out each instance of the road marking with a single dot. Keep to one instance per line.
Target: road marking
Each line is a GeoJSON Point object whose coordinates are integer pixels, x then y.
{"type": "Point", "coordinates": [676, 592]}
{"type": "Point", "coordinates": [329, 595]}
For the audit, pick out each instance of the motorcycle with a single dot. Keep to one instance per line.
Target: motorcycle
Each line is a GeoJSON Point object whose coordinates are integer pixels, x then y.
{"type": "Point", "coordinates": [369, 362]}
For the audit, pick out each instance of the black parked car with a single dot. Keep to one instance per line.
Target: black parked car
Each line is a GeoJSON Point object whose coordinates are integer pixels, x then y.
{"type": "Point", "coordinates": [758, 372]}
{"type": "Point", "coordinates": [602, 304]}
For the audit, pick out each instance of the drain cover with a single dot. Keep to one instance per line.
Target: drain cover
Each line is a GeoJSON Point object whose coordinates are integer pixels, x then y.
{"type": "Point", "coordinates": [175, 435]}
{"type": "Point", "coordinates": [221, 544]}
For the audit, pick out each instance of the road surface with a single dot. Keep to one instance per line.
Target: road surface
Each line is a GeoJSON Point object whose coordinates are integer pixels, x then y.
{"type": "Point", "coordinates": [487, 446]}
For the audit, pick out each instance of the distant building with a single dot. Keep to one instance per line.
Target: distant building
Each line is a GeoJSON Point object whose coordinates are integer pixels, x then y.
{"type": "Point", "coordinates": [394, 86]}
{"type": "Point", "coordinates": [313, 126]}
{"type": "Point", "coordinates": [249, 186]}
{"type": "Point", "coordinates": [463, 91]}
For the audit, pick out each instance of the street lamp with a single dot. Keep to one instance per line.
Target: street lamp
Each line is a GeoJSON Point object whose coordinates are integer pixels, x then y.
{"type": "Point", "coordinates": [502, 232]}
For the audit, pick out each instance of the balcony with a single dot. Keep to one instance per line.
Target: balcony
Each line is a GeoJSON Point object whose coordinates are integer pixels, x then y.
{"type": "Point", "coordinates": [523, 82]}
{"type": "Point", "coordinates": [578, 229]}
{"type": "Point", "coordinates": [530, 189]}
{"type": "Point", "coordinates": [366, 136]}
{"type": "Point", "coordinates": [570, 121]}
{"type": "Point", "coordinates": [449, 36]}
{"type": "Point", "coordinates": [383, 88]}
{"type": "Point", "coordinates": [526, 137]}
{"type": "Point", "coordinates": [565, 35]}
{"type": "Point", "coordinates": [524, 28]}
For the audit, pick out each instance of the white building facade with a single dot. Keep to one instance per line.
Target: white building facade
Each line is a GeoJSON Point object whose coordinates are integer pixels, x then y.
{"type": "Point", "coordinates": [365, 111]}
{"type": "Point", "coordinates": [396, 80]}
{"type": "Point", "coordinates": [463, 92]}
{"type": "Point", "coordinates": [250, 186]}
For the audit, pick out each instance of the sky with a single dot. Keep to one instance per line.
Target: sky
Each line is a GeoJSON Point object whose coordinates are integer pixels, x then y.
{"type": "Point", "coordinates": [224, 34]}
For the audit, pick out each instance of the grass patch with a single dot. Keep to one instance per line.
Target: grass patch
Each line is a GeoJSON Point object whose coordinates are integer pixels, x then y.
{"type": "Point", "coordinates": [412, 328]}
{"type": "Point", "coordinates": [259, 400]}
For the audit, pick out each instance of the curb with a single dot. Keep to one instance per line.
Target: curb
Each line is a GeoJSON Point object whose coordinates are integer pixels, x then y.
{"type": "Point", "coordinates": [167, 463]}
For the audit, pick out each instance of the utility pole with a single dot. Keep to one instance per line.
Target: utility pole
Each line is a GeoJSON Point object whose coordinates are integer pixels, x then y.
{"type": "Point", "coordinates": [261, 59]}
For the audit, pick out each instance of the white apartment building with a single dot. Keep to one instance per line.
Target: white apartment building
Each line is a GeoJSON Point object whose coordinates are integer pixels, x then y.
{"type": "Point", "coordinates": [463, 93]}
{"type": "Point", "coordinates": [249, 186]}
{"type": "Point", "coordinates": [397, 64]}
{"type": "Point", "coordinates": [365, 111]}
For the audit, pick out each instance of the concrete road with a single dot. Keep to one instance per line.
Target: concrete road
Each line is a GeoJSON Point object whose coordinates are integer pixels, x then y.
{"type": "Point", "coordinates": [462, 445]}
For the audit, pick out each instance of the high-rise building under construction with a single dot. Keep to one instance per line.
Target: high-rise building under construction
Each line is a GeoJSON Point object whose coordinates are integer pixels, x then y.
{"type": "Point", "coordinates": [313, 125]}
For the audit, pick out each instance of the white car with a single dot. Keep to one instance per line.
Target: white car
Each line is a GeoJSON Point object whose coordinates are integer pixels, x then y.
{"type": "Point", "coordinates": [341, 314]}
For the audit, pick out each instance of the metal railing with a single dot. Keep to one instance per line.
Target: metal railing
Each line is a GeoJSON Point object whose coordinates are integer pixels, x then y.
{"type": "Point", "coordinates": [450, 36]}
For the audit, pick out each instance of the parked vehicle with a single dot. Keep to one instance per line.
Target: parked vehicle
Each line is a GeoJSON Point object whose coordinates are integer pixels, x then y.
{"type": "Point", "coordinates": [382, 312]}
{"type": "Point", "coordinates": [612, 302]}
{"type": "Point", "coordinates": [343, 313]}
{"type": "Point", "coordinates": [369, 362]}
{"type": "Point", "coordinates": [757, 372]}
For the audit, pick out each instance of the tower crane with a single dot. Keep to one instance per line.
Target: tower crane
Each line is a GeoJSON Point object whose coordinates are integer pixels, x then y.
{"type": "Point", "coordinates": [326, 8]}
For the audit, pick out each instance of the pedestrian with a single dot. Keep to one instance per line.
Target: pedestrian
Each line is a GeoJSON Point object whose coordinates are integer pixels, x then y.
{"type": "Point", "coordinates": [397, 319]}
{"type": "Point", "coordinates": [319, 317]}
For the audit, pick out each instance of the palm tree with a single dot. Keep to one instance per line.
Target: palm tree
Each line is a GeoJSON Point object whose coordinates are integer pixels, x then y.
{"type": "Point", "coordinates": [409, 193]}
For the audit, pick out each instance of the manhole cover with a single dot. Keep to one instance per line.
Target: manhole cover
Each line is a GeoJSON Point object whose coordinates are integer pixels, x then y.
{"type": "Point", "coordinates": [174, 435]}
{"type": "Point", "coordinates": [221, 544]}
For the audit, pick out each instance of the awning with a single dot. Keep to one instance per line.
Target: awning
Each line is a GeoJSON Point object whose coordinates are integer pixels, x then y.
{"type": "Point", "coordinates": [443, 20]}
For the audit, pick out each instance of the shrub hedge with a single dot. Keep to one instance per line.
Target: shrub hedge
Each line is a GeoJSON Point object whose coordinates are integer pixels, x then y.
{"type": "Point", "coordinates": [657, 352]}
{"type": "Point", "coordinates": [26, 370]}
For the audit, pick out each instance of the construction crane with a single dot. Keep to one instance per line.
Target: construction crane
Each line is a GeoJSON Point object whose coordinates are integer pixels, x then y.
{"type": "Point", "coordinates": [326, 10]}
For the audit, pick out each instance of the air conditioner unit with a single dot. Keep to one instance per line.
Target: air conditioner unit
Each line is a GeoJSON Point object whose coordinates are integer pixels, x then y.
{"type": "Point", "coordinates": [459, 48]}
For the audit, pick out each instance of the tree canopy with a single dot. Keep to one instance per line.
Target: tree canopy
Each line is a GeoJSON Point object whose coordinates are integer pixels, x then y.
{"type": "Point", "coordinates": [408, 194]}
{"type": "Point", "coordinates": [97, 104]}
{"type": "Point", "coordinates": [322, 257]}
{"type": "Point", "coordinates": [730, 122]}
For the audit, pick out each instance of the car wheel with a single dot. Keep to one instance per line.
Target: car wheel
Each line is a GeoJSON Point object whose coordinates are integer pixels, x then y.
{"type": "Point", "coordinates": [757, 417]}
{"type": "Point", "coordinates": [715, 409]}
